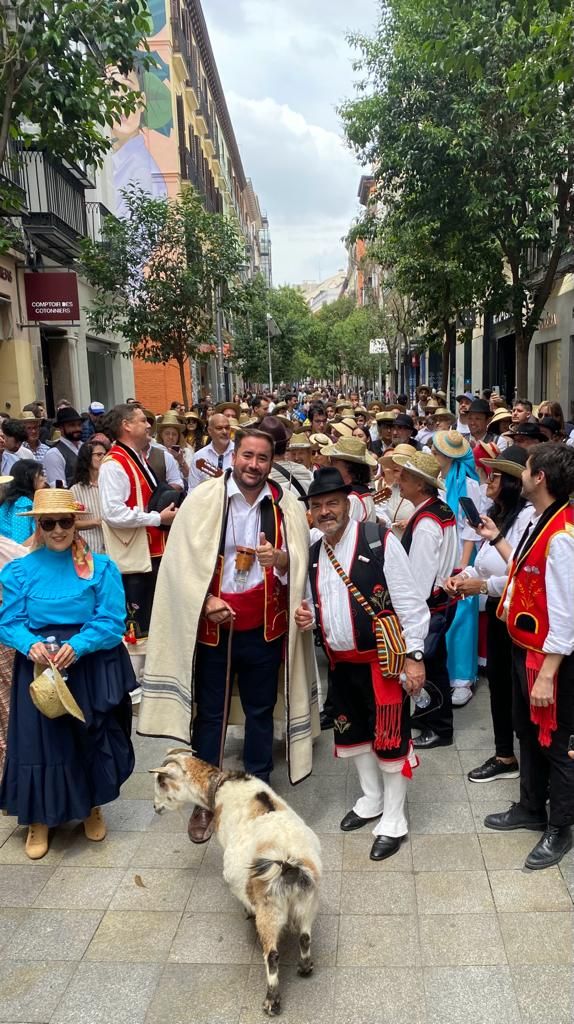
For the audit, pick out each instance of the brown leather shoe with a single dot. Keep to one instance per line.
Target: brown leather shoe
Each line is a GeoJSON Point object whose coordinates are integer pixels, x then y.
{"type": "Point", "coordinates": [200, 825]}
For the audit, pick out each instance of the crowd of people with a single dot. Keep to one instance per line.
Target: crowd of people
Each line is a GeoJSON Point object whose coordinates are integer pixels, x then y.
{"type": "Point", "coordinates": [415, 546]}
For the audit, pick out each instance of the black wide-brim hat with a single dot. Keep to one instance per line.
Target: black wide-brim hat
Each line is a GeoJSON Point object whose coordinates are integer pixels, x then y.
{"type": "Point", "coordinates": [67, 415]}
{"type": "Point", "coordinates": [326, 480]}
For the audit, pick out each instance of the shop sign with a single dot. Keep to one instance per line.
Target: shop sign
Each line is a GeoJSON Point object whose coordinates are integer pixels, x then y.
{"type": "Point", "coordinates": [52, 296]}
{"type": "Point", "coordinates": [5, 274]}
{"type": "Point", "coordinates": [549, 320]}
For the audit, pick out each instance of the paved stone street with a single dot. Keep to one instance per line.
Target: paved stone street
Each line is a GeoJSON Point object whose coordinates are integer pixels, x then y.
{"type": "Point", "coordinates": [141, 927]}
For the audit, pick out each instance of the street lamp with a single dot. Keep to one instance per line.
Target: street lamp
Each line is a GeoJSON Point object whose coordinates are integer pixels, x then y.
{"type": "Point", "coordinates": [272, 331]}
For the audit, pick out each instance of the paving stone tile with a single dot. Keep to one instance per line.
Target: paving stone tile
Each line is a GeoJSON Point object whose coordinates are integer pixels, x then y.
{"type": "Point", "coordinates": [320, 801]}
{"type": "Point", "coordinates": [115, 851]}
{"type": "Point", "coordinates": [436, 787]}
{"type": "Point", "coordinates": [332, 851]}
{"type": "Point", "coordinates": [470, 759]}
{"type": "Point", "coordinates": [150, 752]}
{"type": "Point", "coordinates": [153, 889]}
{"type": "Point", "coordinates": [13, 851]}
{"type": "Point", "coordinates": [53, 935]}
{"type": "Point", "coordinates": [446, 853]}
{"type": "Point", "coordinates": [5, 833]}
{"type": "Point", "coordinates": [134, 936]}
{"type": "Point", "coordinates": [106, 993]}
{"type": "Point", "coordinates": [438, 761]}
{"type": "Point", "coordinates": [168, 850]}
{"type": "Point", "coordinates": [20, 884]}
{"type": "Point", "coordinates": [129, 815]}
{"type": "Point", "coordinates": [470, 995]}
{"type": "Point", "coordinates": [538, 938]}
{"type": "Point", "coordinates": [501, 793]}
{"type": "Point", "coordinates": [74, 888]}
{"type": "Point", "coordinates": [212, 894]}
{"type": "Point", "coordinates": [324, 939]}
{"type": "Point", "coordinates": [303, 1000]}
{"type": "Point", "coordinates": [31, 991]}
{"type": "Point", "coordinates": [545, 994]}
{"type": "Point", "coordinates": [385, 995]}
{"type": "Point", "coordinates": [504, 851]}
{"type": "Point", "coordinates": [139, 786]}
{"type": "Point", "coordinates": [387, 893]}
{"type": "Point", "coordinates": [453, 892]}
{"type": "Point", "coordinates": [356, 848]}
{"type": "Point", "coordinates": [529, 890]}
{"type": "Point", "coordinates": [567, 871]}
{"type": "Point", "coordinates": [221, 938]}
{"type": "Point", "coordinates": [330, 892]}
{"type": "Point", "coordinates": [11, 918]}
{"type": "Point", "coordinates": [465, 940]}
{"type": "Point", "coordinates": [432, 817]}
{"type": "Point", "coordinates": [368, 941]}
{"type": "Point", "coordinates": [170, 821]}
{"type": "Point", "coordinates": [473, 739]}
{"type": "Point", "coordinates": [198, 994]}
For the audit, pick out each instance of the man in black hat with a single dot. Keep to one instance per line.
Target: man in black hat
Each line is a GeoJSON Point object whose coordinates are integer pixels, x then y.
{"type": "Point", "coordinates": [527, 435]}
{"type": "Point", "coordinates": [373, 622]}
{"type": "Point", "coordinates": [478, 416]}
{"type": "Point", "coordinates": [60, 461]}
{"type": "Point", "coordinates": [404, 431]}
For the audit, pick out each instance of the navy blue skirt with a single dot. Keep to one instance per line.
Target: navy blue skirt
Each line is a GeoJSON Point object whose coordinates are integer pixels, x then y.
{"type": "Point", "coordinates": [57, 769]}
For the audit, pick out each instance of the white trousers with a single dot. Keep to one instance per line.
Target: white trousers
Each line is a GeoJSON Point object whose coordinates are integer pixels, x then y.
{"type": "Point", "coordinates": [384, 793]}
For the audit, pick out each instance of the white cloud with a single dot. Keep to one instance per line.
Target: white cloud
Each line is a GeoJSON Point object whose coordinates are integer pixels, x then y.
{"type": "Point", "coordinates": [285, 66]}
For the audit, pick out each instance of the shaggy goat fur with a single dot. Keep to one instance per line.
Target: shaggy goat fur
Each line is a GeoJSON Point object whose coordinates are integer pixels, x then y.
{"type": "Point", "coordinates": [271, 858]}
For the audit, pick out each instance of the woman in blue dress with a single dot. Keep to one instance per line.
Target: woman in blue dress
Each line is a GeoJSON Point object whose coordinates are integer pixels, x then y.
{"type": "Point", "coordinates": [62, 769]}
{"type": "Point", "coordinates": [27, 477]}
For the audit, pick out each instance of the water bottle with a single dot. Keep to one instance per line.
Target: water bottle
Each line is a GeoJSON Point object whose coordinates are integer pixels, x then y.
{"type": "Point", "coordinates": [422, 699]}
{"type": "Point", "coordinates": [52, 646]}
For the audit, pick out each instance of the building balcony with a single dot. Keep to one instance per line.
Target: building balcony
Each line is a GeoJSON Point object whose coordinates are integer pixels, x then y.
{"type": "Point", "coordinates": [189, 171]}
{"type": "Point", "coordinates": [56, 219]}
{"type": "Point", "coordinates": [96, 214]}
{"type": "Point", "coordinates": [203, 115]}
{"type": "Point", "coordinates": [13, 181]}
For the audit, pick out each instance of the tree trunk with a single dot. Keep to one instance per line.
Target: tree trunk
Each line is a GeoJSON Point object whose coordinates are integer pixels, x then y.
{"type": "Point", "coordinates": [181, 364]}
{"type": "Point", "coordinates": [523, 339]}
{"type": "Point", "coordinates": [448, 355]}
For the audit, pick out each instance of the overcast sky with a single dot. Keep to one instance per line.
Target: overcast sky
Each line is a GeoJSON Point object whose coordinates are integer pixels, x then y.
{"type": "Point", "coordinates": [285, 65]}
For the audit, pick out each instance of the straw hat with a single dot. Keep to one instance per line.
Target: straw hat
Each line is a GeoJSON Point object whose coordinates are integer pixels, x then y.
{"type": "Point", "coordinates": [442, 413]}
{"type": "Point", "coordinates": [221, 406]}
{"type": "Point", "coordinates": [279, 407]}
{"type": "Point", "coordinates": [431, 404]}
{"type": "Point", "coordinates": [420, 464]}
{"type": "Point", "coordinates": [386, 460]}
{"type": "Point", "coordinates": [349, 421]}
{"type": "Point", "coordinates": [27, 417]}
{"type": "Point", "coordinates": [350, 449]}
{"type": "Point", "coordinates": [9, 479]}
{"type": "Point", "coordinates": [360, 411]}
{"type": "Point", "coordinates": [500, 414]}
{"type": "Point", "coordinates": [341, 429]}
{"type": "Point", "coordinates": [300, 440]}
{"type": "Point", "coordinates": [191, 415]}
{"type": "Point", "coordinates": [54, 501]}
{"type": "Point", "coordinates": [511, 461]}
{"type": "Point", "coordinates": [170, 419]}
{"type": "Point", "coordinates": [451, 443]}
{"type": "Point", "coordinates": [50, 694]}
{"type": "Point", "coordinates": [385, 417]}
{"type": "Point", "coordinates": [319, 440]}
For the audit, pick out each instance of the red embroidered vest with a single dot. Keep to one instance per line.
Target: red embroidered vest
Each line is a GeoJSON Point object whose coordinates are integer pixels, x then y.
{"type": "Point", "coordinates": [275, 606]}
{"type": "Point", "coordinates": [133, 469]}
{"type": "Point", "coordinates": [527, 620]}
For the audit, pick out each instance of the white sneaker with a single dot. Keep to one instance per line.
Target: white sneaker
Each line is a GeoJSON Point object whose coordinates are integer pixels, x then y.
{"type": "Point", "coordinates": [136, 695]}
{"type": "Point", "coordinates": [461, 696]}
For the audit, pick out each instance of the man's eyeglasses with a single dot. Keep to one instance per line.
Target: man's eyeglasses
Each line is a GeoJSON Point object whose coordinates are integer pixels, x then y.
{"type": "Point", "coordinates": [65, 523]}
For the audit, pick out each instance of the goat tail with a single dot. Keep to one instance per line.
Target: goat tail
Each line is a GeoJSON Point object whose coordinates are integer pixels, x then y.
{"type": "Point", "coordinates": [276, 873]}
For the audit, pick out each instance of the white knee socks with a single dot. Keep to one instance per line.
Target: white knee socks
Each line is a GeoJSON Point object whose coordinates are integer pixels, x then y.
{"type": "Point", "coordinates": [384, 793]}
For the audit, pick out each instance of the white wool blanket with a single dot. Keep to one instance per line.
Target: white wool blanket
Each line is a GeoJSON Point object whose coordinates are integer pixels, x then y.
{"type": "Point", "coordinates": [185, 574]}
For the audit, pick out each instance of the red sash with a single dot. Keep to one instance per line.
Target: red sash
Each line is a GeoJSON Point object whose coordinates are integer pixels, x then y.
{"type": "Point", "coordinates": [132, 468]}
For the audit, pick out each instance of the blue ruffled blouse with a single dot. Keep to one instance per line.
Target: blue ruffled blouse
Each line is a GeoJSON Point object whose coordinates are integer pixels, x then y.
{"type": "Point", "coordinates": [42, 589]}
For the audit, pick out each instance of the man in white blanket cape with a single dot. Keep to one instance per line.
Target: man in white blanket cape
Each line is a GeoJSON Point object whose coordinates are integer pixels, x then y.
{"type": "Point", "coordinates": [222, 613]}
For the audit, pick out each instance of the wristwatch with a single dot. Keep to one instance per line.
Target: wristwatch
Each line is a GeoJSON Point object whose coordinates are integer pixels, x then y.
{"type": "Point", "coordinates": [415, 655]}
{"type": "Point", "coordinates": [484, 587]}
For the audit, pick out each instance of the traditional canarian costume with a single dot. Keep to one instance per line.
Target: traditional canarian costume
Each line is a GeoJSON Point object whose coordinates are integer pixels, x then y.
{"type": "Point", "coordinates": [431, 542]}
{"type": "Point", "coordinates": [188, 656]}
{"type": "Point", "coordinates": [371, 709]}
{"type": "Point", "coordinates": [538, 603]}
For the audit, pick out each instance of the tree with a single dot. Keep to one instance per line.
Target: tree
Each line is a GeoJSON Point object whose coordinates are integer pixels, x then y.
{"type": "Point", "coordinates": [467, 115]}
{"type": "Point", "coordinates": [161, 274]}
{"type": "Point", "coordinates": [63, 75]}
{"type": "Point", "coordinates": [288, 349]}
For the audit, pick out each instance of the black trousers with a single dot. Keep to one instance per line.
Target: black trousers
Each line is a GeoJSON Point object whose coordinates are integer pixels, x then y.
{"type": "Point", "coordinates": [354, 711]}
{"type": "Point", "coordinates": [545, 772]}
{"type": "Point", "coordinates": [438, 718]}
{"type": "Point", "coordinates": [139, 588]}
{"type": "Point", "coordinates": [256, 664]}
{"type": "Point", "coordinates": [499, 674]}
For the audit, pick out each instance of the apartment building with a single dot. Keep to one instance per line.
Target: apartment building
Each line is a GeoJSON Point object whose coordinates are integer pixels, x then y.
{"type": "Point", "coordinates": [184, 137]}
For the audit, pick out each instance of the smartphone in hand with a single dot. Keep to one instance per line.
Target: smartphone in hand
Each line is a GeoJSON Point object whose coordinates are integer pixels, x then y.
{"type": "Point", "coordinates": [471, 512]}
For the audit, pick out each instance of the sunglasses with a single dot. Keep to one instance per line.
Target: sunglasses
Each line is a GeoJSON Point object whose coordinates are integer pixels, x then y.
{"type": "Point", "coordinates": [65, 523]}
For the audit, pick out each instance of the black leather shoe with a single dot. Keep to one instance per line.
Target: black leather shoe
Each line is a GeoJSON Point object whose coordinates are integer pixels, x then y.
{"type": "Point", "coordinates": [550, 849]}
{"type": "Point", "coordinates": [326, 721]}
{"type": "Point", "coordinates": [352, 821]}
{"type": "Point", "coordinates": [429, 738]}
{"type": "Point", "coordinates": [385, 846]}
{"type": "Point", "coordinates": [516, 817]}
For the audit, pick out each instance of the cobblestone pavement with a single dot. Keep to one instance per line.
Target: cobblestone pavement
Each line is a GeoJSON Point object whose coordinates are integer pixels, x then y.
{"type": "Point", "coordinates": [141, 928]}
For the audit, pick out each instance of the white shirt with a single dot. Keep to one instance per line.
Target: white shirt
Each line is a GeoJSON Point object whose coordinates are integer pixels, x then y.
{"type": "Point", "coordinates": [433, 554]}
{"type": "Point", "coordinates": [362, 508]}
{"type": "Point", "coordinates": [9, 458]}
{"type": "Point", "coordinates": [115, 486]}
{"type": "Point", "coordinates": [490, 564]}
{"type": "Point", "coordinates": [559, 593]}
{"type": "Point", "coordinates": [394, 510]}
{"type": "Point", "coordinates": [336, 600]}
{"type": "Point", "coordinates": [54, 462]}
{"type": "Point", "coordinates": [463, 428]}
{"type": "Point", "coordinates": [208, 452]}
{"type": "Point", "coordinates": [244, 528]}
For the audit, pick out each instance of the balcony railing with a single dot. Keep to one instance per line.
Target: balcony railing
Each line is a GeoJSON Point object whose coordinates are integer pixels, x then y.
{"type": "Point", "coordinates": [12, 175]}
{"type": "Point", "coordinates": [56, 217]}
{"type": "Point", "coordinates": [189, 171]}
{"type": "Point", "coordinates": [96, 214]}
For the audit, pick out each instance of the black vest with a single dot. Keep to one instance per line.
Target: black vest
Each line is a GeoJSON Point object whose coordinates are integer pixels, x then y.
{"type": "Point", "coordinates": [367, 573]}
{"type": "Point", "coordinates": [443, 515]}
{"type": "Point", "coordinates": [70, 458]}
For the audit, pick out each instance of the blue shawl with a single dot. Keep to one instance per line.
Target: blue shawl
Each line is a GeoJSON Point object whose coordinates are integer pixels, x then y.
{"type": "Point", "coordinates": [456, 479]}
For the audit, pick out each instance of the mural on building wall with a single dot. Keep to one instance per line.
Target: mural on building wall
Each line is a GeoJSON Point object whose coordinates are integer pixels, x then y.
{"type": "Point", "coordinates": [140, 154]}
